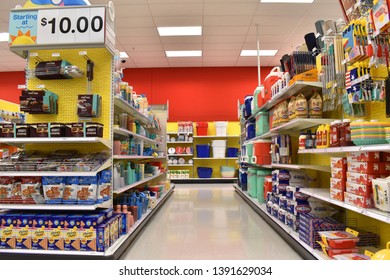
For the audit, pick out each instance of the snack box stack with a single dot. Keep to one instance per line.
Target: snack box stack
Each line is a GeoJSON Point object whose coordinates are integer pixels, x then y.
{"type": "Point", "coordinates": [338, 179]}
{"type": "Point", "coordinates": [286, 202]}
{"type": "Point", "coordinates": [363, 167]}
{"type": "Point", "coordinates": [338, 242]}
{"type": "Point", "coordinates": [310, 226]}
{"type": "Point", "coordinates": [64, 232]}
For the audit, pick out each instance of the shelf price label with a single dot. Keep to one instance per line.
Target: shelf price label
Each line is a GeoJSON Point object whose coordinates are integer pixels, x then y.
{"type": "Point", "coordinates": [67, 26]}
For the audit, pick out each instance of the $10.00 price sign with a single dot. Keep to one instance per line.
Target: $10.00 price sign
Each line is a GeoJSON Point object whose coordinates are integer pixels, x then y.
{"type": "Point", "coordinates": [67, 26]}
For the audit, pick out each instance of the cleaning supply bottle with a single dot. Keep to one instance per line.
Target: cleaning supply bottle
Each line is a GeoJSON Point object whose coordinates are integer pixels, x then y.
{"type": "Point", "coordinates": [129, 174]}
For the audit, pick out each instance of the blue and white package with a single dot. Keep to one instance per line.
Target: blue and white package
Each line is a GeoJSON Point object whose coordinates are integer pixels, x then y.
{"type": "Point", "coordinates": [53, 188]}
{"type": "Point", "coordinates": [69, 195]}
{"type": "Point", "coordinates": [87, 190]}
{"type": "Point", "coordinates": [104, 188]}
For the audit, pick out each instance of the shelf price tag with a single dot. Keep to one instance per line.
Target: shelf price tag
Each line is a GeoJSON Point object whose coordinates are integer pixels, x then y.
{"type": "Point", "coordinates": [71, 26]}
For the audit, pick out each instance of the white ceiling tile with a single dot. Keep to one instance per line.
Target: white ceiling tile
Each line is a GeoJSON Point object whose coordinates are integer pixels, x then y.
{"type": "Point", "coordinates": [247, 63]}
{"type": "Point", "coordinates": [179, 8]}
{"type": "Point", "coordinates": [143, 47]}
{"type": "Point", "coordinates": [169, 40]}
{"type": "Point", "coordinates": [146, 54]}
{"type": "Point", "coordinates": [151, 60]}
{"type": "Point", "coordinates": [130, 10]}
{"type": "Point", "coordinates": [218, 63]}
{"type": "Point", "coordinates": [182, 47]}
{"type": "Point", "coordinates": [225, 47]}
{"type": "Point", "coordinates": [271, 29]}
{"type": "Point", "coordinates": [223, 39]}
{"type": "Point", "coordinates": [266, 39]}
{"type": "Point", "coordinates": [134, 22]}
{"type": "Point", "coordinates": [330, 9]}
{"type": "Point", "coordinates": [178, 20]}
{"type": "Point", "coordinates": [230, 9]}
{"type": "Point", "coordinates": [117, 2]}
{"type": "Point", "coordinates": [153, 65]}
{"type": "Point", "coordinates": [268, 20]}
{"type": "Point", "coordinates": [186, 64]}
{"type": "Point", "coordinates": [140, 40]}
{"type": "Point", "coordinates": [227, 20]}
{"type": "Point", "coordinates": [184, 59]}
{"type": "Point", "coordinates": [234, 53]}
{"type": "Point", "coordinates": [173, 1]}
{"type": "Point", "coordinates": [225, 30]}
{"type": "Point", "coordinates": [279, 10]}
{"type": "Point", "coordinates": [220, 58]}
{"type": "Point", "coordinates": [136, 31]}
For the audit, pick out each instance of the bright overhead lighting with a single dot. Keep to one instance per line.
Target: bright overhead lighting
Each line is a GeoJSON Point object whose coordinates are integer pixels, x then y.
{"type": "Point", "coordinates": [180, 31]}
{"type": "Point", "coordinates": [261, 52]}
{"type": "Point", "coordinates": [4, 37]}
{"type": "Point", "coordinates": [288, 1]}
{"type": "Point", "coordinates": [183, 53]}
{"type": "Point", "coordinates": [123, 55]}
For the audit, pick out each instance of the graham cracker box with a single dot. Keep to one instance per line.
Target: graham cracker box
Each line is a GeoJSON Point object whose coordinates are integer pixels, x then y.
{"type": "Point", "coordinates": [88, 239]}
{"type": "Point", "coordinates": [71, 233]}
{"type": "Point", "coordinates": [24, 231]}
{"type": "Point", "coordinates": [39, 232]}
{"type": "Point", "coordinates": [8, 231]}
{"type": "Point", "coordinates": [103, 236]}
{"type": "Point", "coordinates": [55, 232]}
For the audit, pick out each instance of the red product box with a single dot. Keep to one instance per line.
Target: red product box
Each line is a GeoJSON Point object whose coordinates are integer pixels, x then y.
{"type": "Point", "coordinates": [337, 184]}
{"type": "Point", "coordinates": [364, 156]}
{"type": "Point", "coordinates": [339, 173]}
{"type": "Point", "coordinates": [385, 157]}
{"type": "Point", "coordinates": [338, 162]}
{"type": "Point", "coordinates": [361, 179]}
{"type": "Point", "coordinates": [384, 168]}
{"type": "Point", "coordinates": [363, 167]}
{"type": "Point", "coordinates": [357, 189]}
{"type": "Point", "coordinates": [337, 194]}
{"type": "Point", "coordinates": [357, 200]}
{"type": "Point", "coordinates": [334, 252]}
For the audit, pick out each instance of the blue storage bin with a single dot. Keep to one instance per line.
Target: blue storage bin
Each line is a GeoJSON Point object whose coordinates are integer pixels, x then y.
{"type": "Point", "coordinates": [248, 106]}
{"type": "Point", "coordinates": [250, 130]}
{"type": "Point", "coordinates": [232, 152]}
{"type": "Point", "coordinates": [203, 151]}
{"type": "Point", "coordinates": [205, 172]}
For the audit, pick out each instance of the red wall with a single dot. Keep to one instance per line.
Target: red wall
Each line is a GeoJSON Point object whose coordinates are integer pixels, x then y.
{"type": "Point", "coordinates": [197, 94]}
{"type": "Point", "coordinates": [9, 82]}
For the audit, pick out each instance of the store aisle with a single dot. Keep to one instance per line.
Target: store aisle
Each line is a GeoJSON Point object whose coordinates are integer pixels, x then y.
{"type": "Point", "coordinates": [208, 222]}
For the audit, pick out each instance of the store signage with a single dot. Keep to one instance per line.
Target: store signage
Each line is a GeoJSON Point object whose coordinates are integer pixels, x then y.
{"type": "Point", "coordinates": [58, 26]}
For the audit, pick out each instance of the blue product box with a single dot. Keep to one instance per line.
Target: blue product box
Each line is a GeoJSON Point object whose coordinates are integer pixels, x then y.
{"type": "Point", "coordinates": [71, 238]}
{"type": "Point", "coordinates": [107, 213]}
{"type": "Point", "coordinates": [8, 232]}
{"type": "Point", "coordinates": [24, 231]}
{"type": "Point", "coordinates": [91, 221]}
{"type": "Point", "coordinates": [73, 221]}
{"type": "Point", "coordinates": [103, 237]}
{"type": "Point", "coordinates": [39, 232]}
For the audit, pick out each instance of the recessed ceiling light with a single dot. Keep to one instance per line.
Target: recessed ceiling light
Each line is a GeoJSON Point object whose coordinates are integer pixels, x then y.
{"type": "Point", "coordinates": [180, 31]}
{"type": "Point", "coordinates": [183, 53]}
{"type": "Point", "coordinates": [261, 52]}
{"type": "Point", "coordinates": [288, 1]}
{"type": "Point", "coordinates": [123, 55]}
{"type": "Point", "coordinates": [4, 37]}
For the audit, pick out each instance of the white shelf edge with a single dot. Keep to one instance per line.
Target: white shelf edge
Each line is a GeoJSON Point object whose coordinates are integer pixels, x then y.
{"type": "Point", "coordinates": [179, 133]}
{"type": "Point", "coordinates": [216, 136]}
{"type": "Point", "coordinates": [181, 155]}
{"type": "Point", "coordinates": [324, 195]}
{"type": "Point", "coordinates": [180, 142]}
{"type": "Point", "coordinates": [104, 166]}
{"type": "Point", "coordinates": [203, 179]}
{"type": "Point", "coordinates": [71, 207]}
{"type": "Point", "coordinates": [228, 158]}
{"type": "Point", "coordinates": [316, 253]}
{"type": "Point", "coordinates": [121, 190]}
{"type": "Point", "coordinates": [323, 168]}
{"type": "Point", "coordinates": [136, 157]}
{"type": "Point", "coordinates": [180, 165]}
{"type": "Point", "coordinates": [125, 132]}
{"type": "Point", "coordinates": [367, 148]}
{"type": "Point", "coordinates": [55, 140]}
{"type": "Point", "coordinates": [124, 106]}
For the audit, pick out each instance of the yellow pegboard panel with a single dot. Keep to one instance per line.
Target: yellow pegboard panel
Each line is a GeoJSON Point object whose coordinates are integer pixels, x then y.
{"type": "Point", "coordinates": [69, 89]}
{"type": "Point", "coordinates": [9, 106]}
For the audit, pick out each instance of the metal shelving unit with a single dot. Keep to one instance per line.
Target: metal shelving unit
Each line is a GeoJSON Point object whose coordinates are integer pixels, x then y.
{"type": "Point", "coordinates": [129, 157]}
{"type": "Point", "coordinates": [346, 149]}
{"type": "Point", "coordinates": [136, 184]}
{"type": "Point", "coordinates": [19, 142]}
{"type": "Point", "coordinates": [126, 133]}
{"type": "Point", "coordinates": [49, 207]}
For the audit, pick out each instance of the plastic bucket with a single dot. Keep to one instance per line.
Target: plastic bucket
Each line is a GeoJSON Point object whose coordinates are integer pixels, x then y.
{"type": "Point", "coordinates": [261, 174]}
{"type": "Point", "coordinates": [275, 74]}
{"type": "Point", "coordinates": [218, 143]}
{"type": "Point", "coordinates": [203, 151]}
{"type": "Point", "coordinates": [252, 182]}
{"type": "Point", "coordinates": [267, 186]}
{"type": "Point", "coordinates": [201, 128]}
{"type": "Point", "coordinates": [248, 106]}
{"type": "Point", "coordinates": [261, 152]}
{"type": "Point", "coordinates": [250, 130]}
{"type": "Point", "coordinates": [205, 172]}
{"type": "Point", "coordinates": [219, 151]}
{"type": "Point", "coordinates": [227, 171]}
{"type": "Point", "coordinates": [232, 152]}
{"type": "Point", "coordinates": [221, 128]}
{"type": "Point", "coordinates": [249, 152]}
{"type": "Point", "coordinates": [243, 179]}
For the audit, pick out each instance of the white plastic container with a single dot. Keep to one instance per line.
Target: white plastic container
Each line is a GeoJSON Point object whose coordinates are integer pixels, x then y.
{"type": "Point", "coordinates": [219, 151]}
{"type": "Point", "coordinates": [218, 143]}
{"type": "Point", "coordinates": [221, 128]}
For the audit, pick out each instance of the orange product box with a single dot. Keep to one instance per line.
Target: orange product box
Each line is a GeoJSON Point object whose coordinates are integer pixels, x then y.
{"type": "Point", "coordinates": [361, 179]}
{"type": "Point", "coordinates": [357, 189]}
{"type": "Point", "coordinates": [364, 156]}
{"type": "Point", "coordinates": [358, 200]}
{"type": "Point", "coordinates": [337, 194]}
{"type": "Point", "coordinates": [339, 173]}
{"type": "Point", "coordinates": [308, 76]}
{"type": "Point", "coordinates": [338, 162]}
{"type": "Point", "coordinates": [385, 157]}
{"type": "Point", "coordinates": [8, 231]}
{"type": "Point", "coordinates": [88, 240]}
{"type": "Point", "coordinates": [337, 184]}
{"type": "Point", "coordinates": [71, 239]}
{"type": "Point", "coordinates": [363, 167]}
{"type": "Point", "coordinates": [384, 168]}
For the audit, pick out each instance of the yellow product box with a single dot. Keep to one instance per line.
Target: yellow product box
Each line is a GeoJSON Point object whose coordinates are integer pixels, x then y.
{"type": "Point", "coordinates": [71, 239]}
{"type": "Point", "coordinates": [8, 231]}
{"type": "Point", "coordinates": [308, 76]}
{"type": "Point", "coordinates": [88, 239]}
{"type": "Point", "coordinates": [55, 239]}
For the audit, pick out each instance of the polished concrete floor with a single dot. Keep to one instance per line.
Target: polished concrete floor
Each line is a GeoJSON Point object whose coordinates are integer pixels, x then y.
{"type": "Point", "coordinates": [208, 222]}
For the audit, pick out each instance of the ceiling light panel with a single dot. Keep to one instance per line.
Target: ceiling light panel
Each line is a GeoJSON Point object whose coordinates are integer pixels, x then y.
{"type": "Point", "coordinates": [196, 53]}
{"type": "Point", "coordinates": [288, 1]}
{"type": "Point", "coordinates": [4, 36]}
{"type": "Point", "coordinates": [180, 31]}
{"type": "Point", "coordinates": [261, 52]}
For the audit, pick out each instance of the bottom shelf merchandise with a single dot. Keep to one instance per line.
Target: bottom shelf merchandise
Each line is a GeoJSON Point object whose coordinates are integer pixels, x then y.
{"type": "Point", "coordinates": [178, 174]}
{"type": "Point", "coordinates": [99, 233]}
